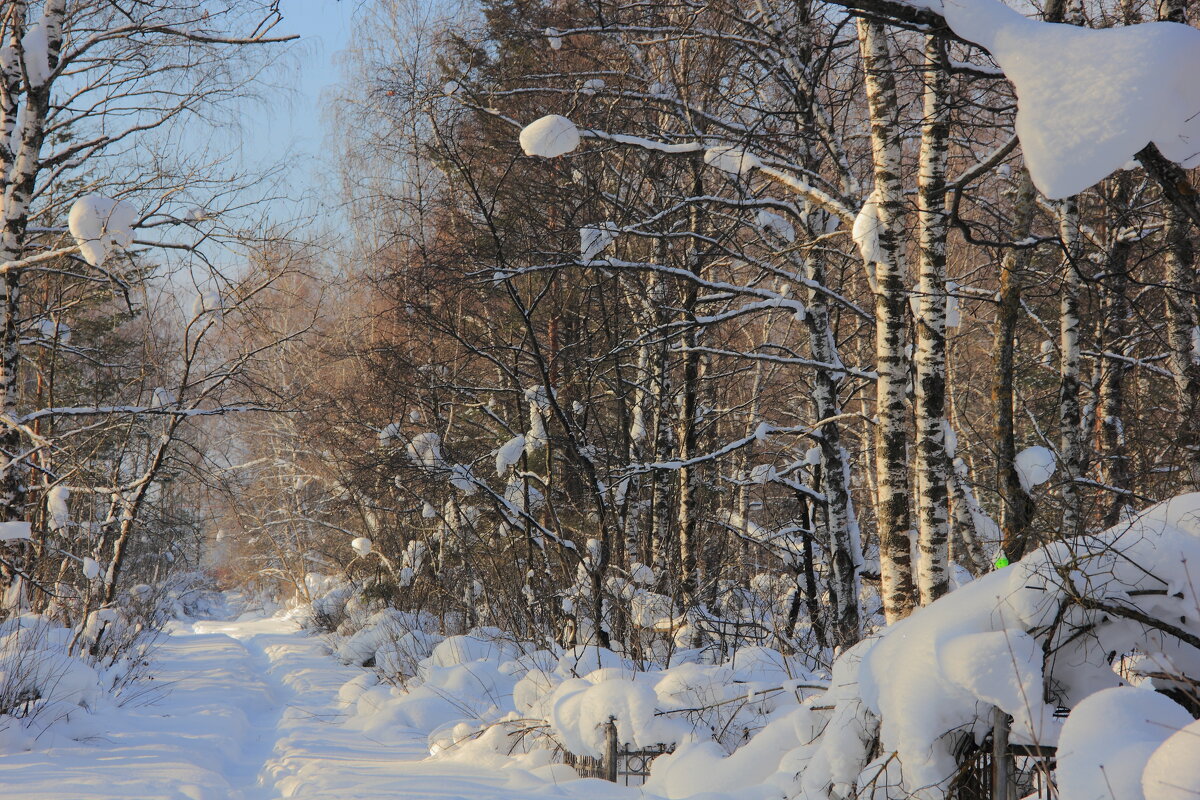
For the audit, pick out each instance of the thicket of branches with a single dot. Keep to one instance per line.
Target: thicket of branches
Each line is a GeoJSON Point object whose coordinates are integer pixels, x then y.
{"type": "Point", "coordinates": [763, 350]}
{"type": "Point", "coordinates": [116, 344]}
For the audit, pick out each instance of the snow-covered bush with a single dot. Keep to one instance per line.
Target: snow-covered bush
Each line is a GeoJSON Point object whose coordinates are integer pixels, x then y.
{"type": "Point", "coordinates": [1102, 629]}
{"type": "Point", "coordinates": [56, 685]}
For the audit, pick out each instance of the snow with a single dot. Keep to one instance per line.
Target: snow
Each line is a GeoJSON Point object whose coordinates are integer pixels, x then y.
{"type": "Point", "coordinates": [768, 222]}
{"type": "Point", "coordinates": [594, 240]}
{"type": "Point", "coordinates": [1089, 99]}
{"type": "Point", "coordinates": [1035, 465]}
{"type": "Point", "coordinates": [99, 225]}
{"type": "Point", "coordinates": [389, 432]}
{"type": "Point", "coordinates": [36, 46]}
{"type": "Point", "coordinates": [57, 513]}
{"type": "Point", "coordinates": [866, 231]}
{"type": "Point", "coordinates": [554, 38]}
{"type": "Point", "coordinates": [91, 568]}
{"type": "Point", "coordinates": [733, 160]}
{"type": "Point", "coordinates": [549, 137]}
{"type": "Point", "coordinates": [953, 308]}
{"type": "Point", "coordinates": [509, 454]}
{"type": "Point", "coordinates": [1109, 738]}
{"type": "Point", "coordinates": [15, 531]}
{"type": "Point", "coordinates": [591, 86]}
{"type": "Point", "coordinates": [424, 450]}
{"type": "Point", "coordinates": [206, 301]}
{"type": "Point", "coordinates": [1173, 770]}
{"type": "Point", "coordinates": [50, 329]}
{"type": "Point", "coordinates": [1047, 351]}
{"type": "Point", "coordinates": [361, 545]}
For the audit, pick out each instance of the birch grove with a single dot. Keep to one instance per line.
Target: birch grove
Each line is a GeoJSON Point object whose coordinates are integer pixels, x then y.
{"type": "Point", "coordinates": [778, 333]}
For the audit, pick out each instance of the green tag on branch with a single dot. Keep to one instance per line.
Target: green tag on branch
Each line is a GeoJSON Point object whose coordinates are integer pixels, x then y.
{"type": "Point", "coordinates": [1002, 561]}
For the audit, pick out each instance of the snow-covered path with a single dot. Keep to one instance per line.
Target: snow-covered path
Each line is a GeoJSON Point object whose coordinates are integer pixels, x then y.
{"type": "Point", "coordinates": [248, 710]}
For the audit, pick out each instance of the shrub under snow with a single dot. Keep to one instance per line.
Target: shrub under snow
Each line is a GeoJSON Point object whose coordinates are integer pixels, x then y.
{"type": "Point", "coordinates": [1093, 625]}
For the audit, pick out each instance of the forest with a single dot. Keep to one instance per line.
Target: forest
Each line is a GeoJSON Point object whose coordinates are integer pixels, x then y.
{"type": "Point", "coordinates": [824, 377]}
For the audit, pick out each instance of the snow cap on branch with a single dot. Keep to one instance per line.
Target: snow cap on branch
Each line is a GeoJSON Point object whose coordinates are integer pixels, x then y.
{"type": "Point", "coordinates": [100, 224]}
{"type": "Point", "coordinates": [91, 568]}
{"type": "Point", "coordinates": [1089, 100]}
{"type": "Point", "coordinates": [549, 137]}
{"type": "Point", "coordinates": [732, 160]}
{"type": "Point", "coordinates": [595, 239]}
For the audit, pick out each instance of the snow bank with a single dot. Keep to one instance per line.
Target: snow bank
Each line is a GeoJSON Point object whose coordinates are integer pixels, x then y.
{"type": "Point", "coordinates": [1088, 99]}
{"type": "Point", "coordinates": [758, 725]}
{"type": "Point", "coordinates": [933, 678]}
{"type": "Point", "coordinates": [549, 137]}
{"type": "Point", "coordinates": [1109, 739]}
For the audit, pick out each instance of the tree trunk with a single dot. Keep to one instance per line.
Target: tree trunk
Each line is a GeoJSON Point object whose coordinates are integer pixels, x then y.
{"type": "Point", "coordinates": [1069, 412]}
{"type": "Point", "coordinates": [891, 449]}
{"type": "Point", "coordinates": [932, 463]}
{"type": "Point", "coordinates": [1016, 506]}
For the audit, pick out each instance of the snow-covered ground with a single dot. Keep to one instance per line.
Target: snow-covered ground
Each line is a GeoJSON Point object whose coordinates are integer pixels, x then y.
{"type": "Point", "coordinates": [248, 710]}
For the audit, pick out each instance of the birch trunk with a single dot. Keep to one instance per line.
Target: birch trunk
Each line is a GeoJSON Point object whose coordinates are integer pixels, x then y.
{"type": "Point", "coordinates": [837, 514]}
{"type": "Point", "coordinates": [1069, 412]}
{"type": "Point", "coordinates": [24, 132]}
{"type": "Point", "coordinates": [1016, 506]}
{"type": "Point", "coordinates": [1114, 326]}
{"type": "Point", "coordinates": [932, 463]}
{"type": "Point", "coordinates": [891, 457]}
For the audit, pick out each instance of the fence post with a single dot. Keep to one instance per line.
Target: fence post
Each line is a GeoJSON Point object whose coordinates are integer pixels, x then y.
{"type": "Point", "coordinates": [1001, 758]}
{"type": "Point", "coordinates": [610, 750]}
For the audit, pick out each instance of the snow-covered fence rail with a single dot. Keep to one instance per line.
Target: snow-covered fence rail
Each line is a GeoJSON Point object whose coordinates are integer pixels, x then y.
{"type": "Point", "coordinates": [618, 763]}
{"type": "Point", "coordinates": [1027, 771]}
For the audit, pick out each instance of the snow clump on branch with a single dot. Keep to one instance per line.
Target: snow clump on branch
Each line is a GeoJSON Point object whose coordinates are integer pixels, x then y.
{"type": "Point", "coordinates": [1034, 467]}
{"type": "Point", "coordinates": [100, 224]}
{"type": "Point", "coordinates": [1088, 100]}
{"type": "Point", "coordinates": [595, 239]}
{"type": "Point", "coordinates": [549, 137]}
{"type": "Point", "coordinates": [732, 160]}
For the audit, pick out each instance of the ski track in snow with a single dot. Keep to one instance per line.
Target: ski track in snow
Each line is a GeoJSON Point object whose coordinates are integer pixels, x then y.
{"type": "Point", "coordinates": [248, 710]}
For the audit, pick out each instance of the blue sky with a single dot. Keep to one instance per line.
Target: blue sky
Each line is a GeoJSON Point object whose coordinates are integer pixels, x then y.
{"type": "Point", "coordinates": [291, 127]}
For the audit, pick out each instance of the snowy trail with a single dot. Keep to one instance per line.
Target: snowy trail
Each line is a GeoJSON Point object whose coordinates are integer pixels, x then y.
{"type": "Point", "coordinates": [248, 710]}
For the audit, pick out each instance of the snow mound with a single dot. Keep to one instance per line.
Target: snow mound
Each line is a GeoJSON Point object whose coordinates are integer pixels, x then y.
{"type": "Point", "coordinates": [361, 545]}
{"type": "Point", "coordinates": [549, 137]}
{"type": "Point", "coordinates": [932, 679]}
{"type": "Point", "coordinates": [99, 225]}
{"type": "Point", "coordinates": [1173, 771]}
{"type": "Point", "coordinates": [1109, 738]}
